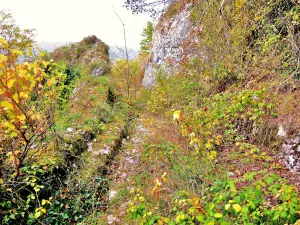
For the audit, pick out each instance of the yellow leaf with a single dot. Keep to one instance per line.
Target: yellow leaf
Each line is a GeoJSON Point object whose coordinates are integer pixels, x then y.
{"type": "Point", "coordinates": [237, 207]}
{"type": "Point", "coordinates": [9, 126]}
{"type": "Point", "coordinates": [13, 134]}
{"type": "Point", "coordinates": [38, 116]}
{"type": "Point", "coordinates": [218, 215]}
{"type": "Point", "coordinates": [164, 178]}
{"type": "Point", "coordinates": [16, 97]}
{"type": "Point", "coordinates": [18, 52]}
{"type": "Point", "coordinates": [217, 142]}
{"type": "Point", "coordinates": [51, 81]}
{"type": "Point", "coordinates": [43, 210]}
{"type": "Point", "coordinates": [29, 52]}
{"type": "Point", "coordinates": [184, 130]}
{"type": "Point", "coordinates": [10, 83]}
{"type": "Point", "coordinates": [155, 190]}
{"type": "Point", "coordinates": [209, 145]}
{"type": "Point", "coordinates": [6, 105]}
{"type": "Point", "coordinates": [176, 115]}
{"type": "Point", "coordinates": [195, 201]}
{"type": "Point", "coordinates": [227, 206]}
{"type": "Point", "coordinates": [177, 219]}
{"type": "Point", "coordinates": [193, 141]}
{"type": "Point", "coordinates": [24, 95]}
{"type": "Point", "coordinates": [11, 158]}
{"type": "Point", "coordinates": [21, 118]}
{"type": "Point", "coordinates": [211, 155]}
{"type": "Point", "coordinates": [44, 202]}
{"type": "Point", "coordinates": [3, 42]}
{"type": "Point", "coordinates": [1, 181]}
{"type": "Point", "coordinates": [157, 182]}
{"type": "Point", "coordinates": [45, 64]}
{"type": "Point", "coordinates": [3, 57]}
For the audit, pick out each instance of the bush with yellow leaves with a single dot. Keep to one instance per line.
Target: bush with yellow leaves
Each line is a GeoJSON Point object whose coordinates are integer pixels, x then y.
{"type": "Point", "coordinates": [28, 94]}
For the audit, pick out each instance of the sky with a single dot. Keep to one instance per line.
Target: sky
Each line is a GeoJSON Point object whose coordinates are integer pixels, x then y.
{"type": "Point", "coordinates": [72, 20]}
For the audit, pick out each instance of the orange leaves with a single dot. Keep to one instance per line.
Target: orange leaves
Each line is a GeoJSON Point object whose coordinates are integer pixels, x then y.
{"type": "Point", "coordinates": [177, 116]}
{"type": "Point", "coordinates": [196, 203]}
{"type": "Point", "coordinates": [164, 177]}
{"type": "Point", "coordinates": [13, 155]}
{"type": "Point", "coordinates": [159, 184]}
{"type": "Point", "coordinates": [157, 187]}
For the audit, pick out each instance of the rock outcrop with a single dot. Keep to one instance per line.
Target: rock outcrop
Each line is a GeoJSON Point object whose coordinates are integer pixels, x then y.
{"type": "Point", "coordinates": [90, 52]}
{"type": "Point", "coordinates": [98, 71]}
{"type": "Point", "coordinates": [172, 44]}
{"type": "Point", "coordinates": [290, 156]}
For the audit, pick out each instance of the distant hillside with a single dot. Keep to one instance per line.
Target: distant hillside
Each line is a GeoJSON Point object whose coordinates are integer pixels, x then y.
{"type": "Point", "coordinates": [115, 52]}
{"type": "Point", "coordinates": [118, 52]}
{"type": "Point", "coordinates": [51, 46]}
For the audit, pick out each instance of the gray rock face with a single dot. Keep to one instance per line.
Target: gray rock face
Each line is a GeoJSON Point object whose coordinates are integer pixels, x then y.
{"type": "Point", "coordinates": [112, 194]}
{"type": "Point", "coordinates": [149, 79]}
{"type": "Point", "coordinates": [98, 72]}
{"type": "Point", "coordinates": [290, 156]}
{"type": "Point", "coordinates": [111, 219]}
{"type": "Point", "coordinates": [105, 151]}
{"type": "Point", "coordinates": [168, 49]}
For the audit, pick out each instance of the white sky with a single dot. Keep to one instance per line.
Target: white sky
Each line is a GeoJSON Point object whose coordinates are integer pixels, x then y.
{"type": "Point", "coordinates": [72, 20]}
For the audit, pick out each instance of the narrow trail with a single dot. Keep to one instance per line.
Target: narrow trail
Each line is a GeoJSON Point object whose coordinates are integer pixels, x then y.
{"type": "Point", "coordinates": [130, 170]}
{"type": "Point", "coordinates": [123, 168]}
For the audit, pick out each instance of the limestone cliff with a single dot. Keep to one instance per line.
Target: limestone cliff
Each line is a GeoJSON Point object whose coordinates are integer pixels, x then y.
{"type": "Point", "coordinates": [171, 41]}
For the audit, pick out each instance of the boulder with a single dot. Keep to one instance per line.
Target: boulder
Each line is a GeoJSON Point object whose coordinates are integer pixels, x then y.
{"type": "Point", "coordinates": [290, 155]}
{"type": "Point", "coordinates": [98, 71]}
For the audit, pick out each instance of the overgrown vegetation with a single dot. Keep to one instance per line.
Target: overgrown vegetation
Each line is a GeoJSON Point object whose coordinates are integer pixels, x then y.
{"type": "Point", "coordinates": [204, 150]}
{"type": "Point", "coordinates": [52, 114]}
{"type": "Point", "coordinates": [224, 103]}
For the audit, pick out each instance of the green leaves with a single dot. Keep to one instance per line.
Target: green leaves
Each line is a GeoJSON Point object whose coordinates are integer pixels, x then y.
{"type": "Point", "coordinates": [37, 214]}
{"type": "Point", "coordinates": [147, 38]}
{"type": "Point", "coordinates": [65, 215]}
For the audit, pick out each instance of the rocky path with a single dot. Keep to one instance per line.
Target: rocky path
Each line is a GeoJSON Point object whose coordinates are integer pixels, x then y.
{"type": "Point", "coordinates": [125, 166]}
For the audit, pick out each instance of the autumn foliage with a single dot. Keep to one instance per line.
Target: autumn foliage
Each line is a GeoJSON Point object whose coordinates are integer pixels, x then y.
{"type": "Point", "coordinates": [28, 92]}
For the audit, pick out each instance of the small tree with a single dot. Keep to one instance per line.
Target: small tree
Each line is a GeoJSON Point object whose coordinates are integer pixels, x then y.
{"type": "Point", "coordinates": [126, 53]}
{"type": "Point", "coordinates": [28, 93]}
{"type": "Point", "coordinates": [146, 42]}
{"type": "Point", "coordinates": [15, 37]}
